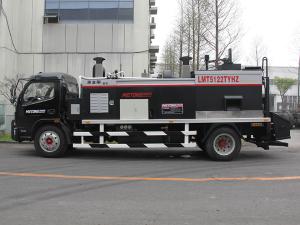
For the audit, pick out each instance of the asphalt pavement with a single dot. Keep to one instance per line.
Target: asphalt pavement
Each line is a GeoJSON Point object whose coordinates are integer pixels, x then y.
{"type": "Point", "coordinates": [142, 187]}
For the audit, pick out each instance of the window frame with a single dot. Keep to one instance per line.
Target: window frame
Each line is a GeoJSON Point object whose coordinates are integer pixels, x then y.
{"type": "Point", "coordinates": [119, 15]}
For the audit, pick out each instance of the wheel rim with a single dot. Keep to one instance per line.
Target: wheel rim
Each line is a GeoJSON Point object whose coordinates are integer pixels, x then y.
{"type": "Point", "coordinates": [224, 144]}
{"type": "Point", "coordinates": [49, 141]}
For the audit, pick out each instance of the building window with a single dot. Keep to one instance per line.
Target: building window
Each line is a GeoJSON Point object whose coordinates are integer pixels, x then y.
{"type": "Point", "coordinates": [90, 9]}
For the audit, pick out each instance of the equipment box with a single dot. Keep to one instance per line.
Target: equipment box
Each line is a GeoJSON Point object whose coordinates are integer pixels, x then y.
{"type": "Point", "coordinates": [74, 109]}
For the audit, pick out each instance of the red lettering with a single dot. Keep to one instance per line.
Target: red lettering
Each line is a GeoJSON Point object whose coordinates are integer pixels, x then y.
{"type": "Point", "coordinates": [201, 79]}
{"type": "Point", "coordinates": [125, 95]}
{"type": "Point", "coordinates": [226, 79]}
{"type": "Point", "coordinates": [137, 95]}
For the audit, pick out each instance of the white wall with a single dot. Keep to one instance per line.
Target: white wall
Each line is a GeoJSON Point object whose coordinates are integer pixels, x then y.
{"type": "Point", "coordinates": [70, 46]}
{"type": "Point", "coordinates": [293, 91]}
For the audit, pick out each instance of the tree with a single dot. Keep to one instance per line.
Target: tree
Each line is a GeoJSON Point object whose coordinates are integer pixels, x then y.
{"type": "Point", "coordinates": [283, 85]}
{"type": "Point", "coordinates": [188, 33]}
{"type": "Point", "coordinates": [181, 30]}
{"type": "Point", "coordinates": [170, 55]}
{"type": "Point", "coordinates": [296, 51]}
{"type": "Point", "coordinates": [8, 83]}
{"type": "Point", "coordinates": [194, 24]}
{"type": "Point", "coordinates": [203, 26]}
{"type": "Point", "coordinates": [258, 51]}
{"type": "Point", "coordinates": [222, 30]}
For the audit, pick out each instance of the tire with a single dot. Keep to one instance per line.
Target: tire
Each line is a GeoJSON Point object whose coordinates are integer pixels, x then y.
{"type": "Point", "coordinates": [50, 142]}
{"type": "Point", "coordinates": [71, 148]}
{"type": "Point", "coordinates": [223, 144]}
{"type": "Point", "coordinates": [202, 147]}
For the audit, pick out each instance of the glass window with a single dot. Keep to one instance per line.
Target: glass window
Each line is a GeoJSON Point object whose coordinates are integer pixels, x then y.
{"type": "Point", "coordinates": [104, 10]}
{"type": "Point", "coordinates": [126, 10]}
{"type": "Point", "coordinates": [91, 9]}
{"type": "Point", "coordinates": [73, 88]}
{"type": "Point", "coordinates": [36, 92]}
{"type": "Point", "coordinates": [73, 10]}
{"type": "Point", "coordinates": [51, 7]}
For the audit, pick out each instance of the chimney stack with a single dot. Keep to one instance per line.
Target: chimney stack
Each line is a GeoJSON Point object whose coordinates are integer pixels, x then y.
{"type": "Point", "coordinates": [98, 69]}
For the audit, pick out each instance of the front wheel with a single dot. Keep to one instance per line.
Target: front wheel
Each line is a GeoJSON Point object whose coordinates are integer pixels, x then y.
{"type": "Point", "coordinates": [224, 144]}
{"type": "Point", "coordinates": [50, 142]}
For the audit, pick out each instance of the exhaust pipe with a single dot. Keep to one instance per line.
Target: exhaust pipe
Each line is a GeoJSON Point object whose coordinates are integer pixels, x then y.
{"type": "Point", "coordinates": [186, 68]}
{"type": "Point", "coordinates": [98, 69]}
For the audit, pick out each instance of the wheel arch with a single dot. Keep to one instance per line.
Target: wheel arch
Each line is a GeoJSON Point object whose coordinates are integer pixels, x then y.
{"type": "Point", "coordinates": [212, 127]}
{"type": "Point", "coordinates": [48, 122]}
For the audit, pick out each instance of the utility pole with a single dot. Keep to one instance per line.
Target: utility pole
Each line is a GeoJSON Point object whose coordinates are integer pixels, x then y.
{"type": "Point", "coordinates": [298, 97]}
{"type": "Point", "coordinates": [181, 37]}
{"type": "Point", "coordinates": [217, 33]}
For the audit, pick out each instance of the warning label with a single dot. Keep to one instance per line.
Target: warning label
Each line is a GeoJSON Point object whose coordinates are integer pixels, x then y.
{"type": "Point", "coordinates": [172, 109]}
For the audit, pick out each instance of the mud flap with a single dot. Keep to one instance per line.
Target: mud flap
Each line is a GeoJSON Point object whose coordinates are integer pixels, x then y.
{"type": "Point", "coordinates": [281, 128]}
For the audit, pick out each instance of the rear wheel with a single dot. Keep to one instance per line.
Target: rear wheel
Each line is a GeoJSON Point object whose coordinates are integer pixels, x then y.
{"type": "Point", "coordinates": [224, 144]}
{"type": "Point", "coordinates": [50, 142]}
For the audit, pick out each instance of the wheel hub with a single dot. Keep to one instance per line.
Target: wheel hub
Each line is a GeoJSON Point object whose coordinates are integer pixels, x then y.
{"type": "Point", "coordinates": [224, 144]}
{"type": "Point", "coordinates": [49, 141]}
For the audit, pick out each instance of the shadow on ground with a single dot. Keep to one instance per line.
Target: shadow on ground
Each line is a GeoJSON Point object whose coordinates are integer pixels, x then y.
{"type": "Point", "coordinates": [249, 154]}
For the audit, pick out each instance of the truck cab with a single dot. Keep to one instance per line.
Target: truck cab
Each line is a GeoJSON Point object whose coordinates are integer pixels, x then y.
{"type": "Point", "coordinates": [42, 100]}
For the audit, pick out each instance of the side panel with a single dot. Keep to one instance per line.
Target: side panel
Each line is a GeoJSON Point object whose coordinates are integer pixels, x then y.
{"type": "Point", "coordinates": [89, 108]}
{"type": "Point", "coordinates": [160, 98]}
{"type": "Point", "coordinates": [213, 98]}
{"type": "Point", "coordinates": [134, 109]}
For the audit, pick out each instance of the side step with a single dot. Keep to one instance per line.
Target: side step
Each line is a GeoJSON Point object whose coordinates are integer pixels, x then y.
{"type": "Point", "coordinates": [102, 135]}
{"type": "Point", "coordinates": [128, 146]}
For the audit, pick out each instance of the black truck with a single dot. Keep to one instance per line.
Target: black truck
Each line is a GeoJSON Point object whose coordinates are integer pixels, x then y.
{"type": "Point", "coordinates": [213, 110]}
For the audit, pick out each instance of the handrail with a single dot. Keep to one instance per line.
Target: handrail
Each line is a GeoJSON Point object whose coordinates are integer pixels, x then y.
{"type": "Point", "coordinates": [265, 68]}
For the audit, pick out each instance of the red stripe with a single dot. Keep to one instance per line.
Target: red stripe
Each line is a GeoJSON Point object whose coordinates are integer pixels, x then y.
{"type": "Point", "coordinates": [172, 85]}
{"type": "Point", "coordinates": [141, 85]}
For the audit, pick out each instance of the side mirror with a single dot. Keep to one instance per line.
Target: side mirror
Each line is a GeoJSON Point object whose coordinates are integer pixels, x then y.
{"type": "Point", "coordinates": [12, 90]}
{"type": "Point", "coordinates": [13, 94]}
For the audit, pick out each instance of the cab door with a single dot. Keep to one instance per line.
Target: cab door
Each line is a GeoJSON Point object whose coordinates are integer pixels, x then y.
{"type": "Point", "coordinates": [38, 101]}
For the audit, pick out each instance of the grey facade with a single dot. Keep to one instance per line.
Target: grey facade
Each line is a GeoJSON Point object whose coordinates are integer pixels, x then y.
{"type": "Point", "coordinates": [123, 37]}
{"type": "Point", "coordinates": [64, 36]}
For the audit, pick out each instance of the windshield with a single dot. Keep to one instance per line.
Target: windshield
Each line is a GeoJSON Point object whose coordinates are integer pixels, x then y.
{"type": "Point", "coordinates": [38, 92]}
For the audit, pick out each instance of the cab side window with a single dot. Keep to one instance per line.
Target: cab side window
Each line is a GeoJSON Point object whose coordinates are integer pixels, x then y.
{"type": "Point", "coordinates": [37, 92]}
{"type": "Point", "coordinates": [73, 88]}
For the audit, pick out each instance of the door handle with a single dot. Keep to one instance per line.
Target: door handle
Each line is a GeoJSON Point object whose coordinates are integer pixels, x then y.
{"type": "Point", "coordinates": [51, 111]}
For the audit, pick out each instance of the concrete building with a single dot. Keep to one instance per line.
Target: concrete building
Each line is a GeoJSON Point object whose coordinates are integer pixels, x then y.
{"type": "Point", "coordinates": [65, 35]}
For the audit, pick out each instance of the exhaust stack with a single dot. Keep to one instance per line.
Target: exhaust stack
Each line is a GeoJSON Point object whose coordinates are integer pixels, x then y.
{"type": "Point", "coordinates": [98, 69]}
{"type": "Point", "coordinates": [186, 69]}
